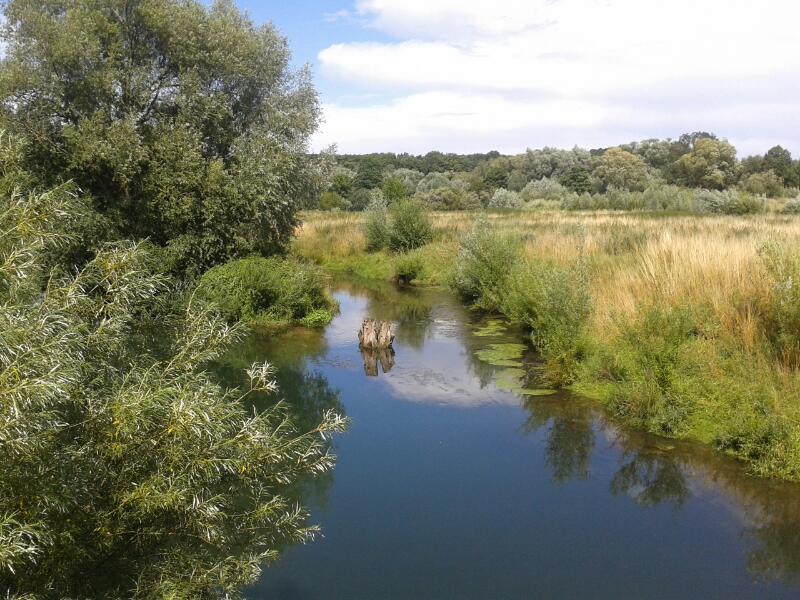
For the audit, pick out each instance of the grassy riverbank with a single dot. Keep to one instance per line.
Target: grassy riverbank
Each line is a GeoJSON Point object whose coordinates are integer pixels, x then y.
{"type": "Point", "coordinates": [687, 326]}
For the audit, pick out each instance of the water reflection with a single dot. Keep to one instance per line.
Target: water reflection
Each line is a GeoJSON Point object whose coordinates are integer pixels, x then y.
{"type": "Point", "coordinates": [654, 472]}
{"type": "Point", "coordinates": [570, 435]}
{"type": "Point", "coordinates": [373, 357]}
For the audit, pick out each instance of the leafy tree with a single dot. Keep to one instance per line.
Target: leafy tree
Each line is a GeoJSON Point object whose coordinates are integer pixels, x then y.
{"type": "Point", "coordinates": [370, 173]}
{"type": "Point", "coordinates": [409, 226]}
{"type": "Point", "coordinates": [779, 161]}
{"type": "Point", "coordinates": [376, 225]}
{"type": "Point", "coordinates": [342, 182]}
{"type": "Point", "coordinates": [183, 123]}
{"type": "Point", "coordinates": [125, 475]}
{"type": "Point", "coordinates": [711, 164]}
{"type": "Point", "coordinates": [577, 179]}
{"type": "Point", "coordinates": [764, 184]}
{"type": "Point", "coordinates": [410, 179]}
{"type": "Point", "coordinates": [620, 169]}
{"type": "Point", "coordinates": [503, 198]}
{"type": "Point", "coordinates": [360, 198]}
{"type": "Point", "coordinates": [393, 189]}
{"type": "Point", "coordinates": [433, 181]}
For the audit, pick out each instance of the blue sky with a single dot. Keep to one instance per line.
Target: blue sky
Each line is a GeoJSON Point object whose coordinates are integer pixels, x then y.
{"type": "Point", "coordinates": [471, 75]}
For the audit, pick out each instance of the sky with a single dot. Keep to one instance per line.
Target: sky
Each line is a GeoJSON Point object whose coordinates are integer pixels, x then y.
{"type": "Point", "coordinates": [473, 76]}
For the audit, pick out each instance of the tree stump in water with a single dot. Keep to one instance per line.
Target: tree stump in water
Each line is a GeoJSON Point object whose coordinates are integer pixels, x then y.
{"type": "Point", "coordinates": [375, 335]}
{"type": "Point", "coordinates": [375, 342]}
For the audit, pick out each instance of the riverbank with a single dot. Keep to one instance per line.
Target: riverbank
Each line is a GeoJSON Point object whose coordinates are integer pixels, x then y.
{"type": "Point", "coordinates": [691, 323]}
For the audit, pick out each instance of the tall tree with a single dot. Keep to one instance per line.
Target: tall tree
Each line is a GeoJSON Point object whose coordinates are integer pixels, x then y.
{"type": "Point", "coordinates": [183, 123]}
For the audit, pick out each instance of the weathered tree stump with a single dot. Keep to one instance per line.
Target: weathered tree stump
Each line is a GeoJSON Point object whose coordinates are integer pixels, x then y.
{"type": "Point", "coordinates": [375, 341]}
{"type": "Point", "coordinates": [375, 335]}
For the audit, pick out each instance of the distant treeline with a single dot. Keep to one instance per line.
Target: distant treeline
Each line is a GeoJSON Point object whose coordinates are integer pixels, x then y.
{"type": "Point", "coordinates": [697, 160]}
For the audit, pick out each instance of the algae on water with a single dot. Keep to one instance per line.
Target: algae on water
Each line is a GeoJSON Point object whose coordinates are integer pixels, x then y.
{"type": "Point", "coordinates": [492, 328]}
{"type": "Point", "coordinates": [502, 355]}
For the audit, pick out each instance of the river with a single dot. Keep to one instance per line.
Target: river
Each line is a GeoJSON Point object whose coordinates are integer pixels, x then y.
{"type": "Point", "coordinates": [457, 479]}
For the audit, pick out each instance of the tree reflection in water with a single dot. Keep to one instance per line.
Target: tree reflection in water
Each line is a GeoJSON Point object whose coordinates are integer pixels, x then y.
{"type": "Point", "coordinates": [655, 471]}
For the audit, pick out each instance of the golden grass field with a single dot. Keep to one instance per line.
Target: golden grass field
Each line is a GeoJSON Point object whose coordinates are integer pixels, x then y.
{"type": "Point", "coordinates": [636, 260]}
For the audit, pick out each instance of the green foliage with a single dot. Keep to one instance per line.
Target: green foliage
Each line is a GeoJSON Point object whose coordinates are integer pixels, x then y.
{"type": "Point", "coordinates": [407, 268]}
{"type": "Point", "coordinates": [649, 366]}
{"type": "Point", "coordinates": [764, 184]}
{"type": "Point", "coordinates": [332, 201]}
{"type": "Point", "coordinates": [543, 189]}
{"type": "Point", "coordinates": [342, 182]}
{"type": "Point", "coordinates": [118, 462]}
{"type": "Point", "coordinates": [450, 199]}
{"type": "Point", "coordinates": [728, 202]}
{"type": "Point", "coordinates": [376, 225]}
{"type": "Point", "coordinates": [553, 302]}
{"type": "Point", "coordinates": [503, 198]}
{"type": "Point", "coordinates": [618, 168]}
{"type": "Point", "coordinates": [783, 266]}
{"type": "Point", "coordinates": [711, 164]}
{"type": "Point", "coordinates": [183, 123]}
{"type": "Point", "coordinates": [394, 189]}
{"type": "Point", "coordinates": [577, 179]}
{"type": "Point", "coordinates": [483, 265]}
{"type": "Point", "coordinates": [409, 226]}
{"type": "Point", "coordinates": [360, 198]}
{"type": "Point", "coordinates": [267, 291]}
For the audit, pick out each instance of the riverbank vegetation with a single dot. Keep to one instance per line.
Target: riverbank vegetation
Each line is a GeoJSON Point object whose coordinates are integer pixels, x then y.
{"type": "Point", "coordinates": [685, 325]}
{"type": "Point", "coordinates": [146, 147]}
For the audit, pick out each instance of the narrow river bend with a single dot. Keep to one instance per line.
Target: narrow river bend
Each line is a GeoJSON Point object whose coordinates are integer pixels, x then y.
{"type": "Point", "coordinates": [453, 481]}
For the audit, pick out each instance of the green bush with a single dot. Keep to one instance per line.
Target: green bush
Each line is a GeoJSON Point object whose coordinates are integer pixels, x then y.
{"type": "Point", "coordinates": [268, 291]}
{"type": "Point", "coordinates": [650, 370]}
{"type": "Point", "coordinates": [482, 265]}
{"type": "Point", "coordinates": [554, 303]}
{"type": "Point", "coordinates": [376, 225]}
{"type": "Point", "coordinates": [409, 226]}
{"type": "Point", "coordinates": [332, 201]}
{"type": "Point", "coordinates": [729, 202]}
{"type": "Point", "coordinates": [407, 267]}
{"type": "Point", "coordinates": [783, 265]}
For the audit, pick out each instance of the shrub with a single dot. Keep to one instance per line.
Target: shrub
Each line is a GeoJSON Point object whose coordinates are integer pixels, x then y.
{"type": "Point", "coordinates": [407, 268]}
{"type": "Point", "coordinates": [792, 207]}
{"type": "Point", "coordinates": [543, 189]}
{"type": "Point", "coordinates": [503, 198]}
{"type": "Point", "coordinates": [450, 199]}
{"type": "Point", "coordinates": [783, 265]}
{"type": "Point", "coordinates": [376, 225]}
{"type": "Point", "coordinates": [649, 369]}
{"type": "Point", "coordinates": [764, 184]}
{"type": "Point", "coordinates": [267, 291]}
{"type": "Point", "coordinates": [728, 202]}
{"type": "Point", "coordinates": [553, 302]}
{"type": "Point", "coordinates": [409, 226]}
{"type": "Point", "coordinates": [332, 201]}
{"type": "Point", "coordinates": [114, 457]}
{"type": "Point", "coordinates": [482, 265]}
{"type": "Point", "coordinates": [360, 199]}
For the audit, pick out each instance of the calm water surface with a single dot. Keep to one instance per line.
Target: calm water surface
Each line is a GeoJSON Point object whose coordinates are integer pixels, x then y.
{"type": "Point", "coordinates": [447, 486]}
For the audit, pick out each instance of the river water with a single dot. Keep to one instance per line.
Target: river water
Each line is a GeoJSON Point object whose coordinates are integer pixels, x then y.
{"type": "Point", "coordinates": [454, 481]}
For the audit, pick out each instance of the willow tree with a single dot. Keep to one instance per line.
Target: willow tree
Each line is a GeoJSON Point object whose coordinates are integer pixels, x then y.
{"type": "Point", "coordinates": [126, 474]}
{"type": "Point", "coordinates": [185, 124]}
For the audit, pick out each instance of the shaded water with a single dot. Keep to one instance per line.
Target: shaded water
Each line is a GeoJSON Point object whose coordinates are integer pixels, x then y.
{"type": "Point", "coordinates": [447, 486]}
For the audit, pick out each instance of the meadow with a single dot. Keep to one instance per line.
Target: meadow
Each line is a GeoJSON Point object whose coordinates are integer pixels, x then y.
{"type": "Point", "coordinates": [684, 325]}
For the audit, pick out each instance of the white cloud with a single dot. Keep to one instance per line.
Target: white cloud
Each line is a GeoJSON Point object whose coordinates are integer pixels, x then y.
{"type": "Point", "coordinates": [466, 73]}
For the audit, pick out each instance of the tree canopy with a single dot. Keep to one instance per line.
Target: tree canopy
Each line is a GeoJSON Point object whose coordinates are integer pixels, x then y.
{"type": "Point", "coordinates": [183, 123]}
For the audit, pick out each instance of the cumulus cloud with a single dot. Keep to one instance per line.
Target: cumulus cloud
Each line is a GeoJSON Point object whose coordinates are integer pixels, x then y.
{"type": "Point", "coordinates": [467, 75]}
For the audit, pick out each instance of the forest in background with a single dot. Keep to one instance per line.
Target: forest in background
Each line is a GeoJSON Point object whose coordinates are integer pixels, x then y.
{"type": "Point", "coordinates": [647, 175]}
